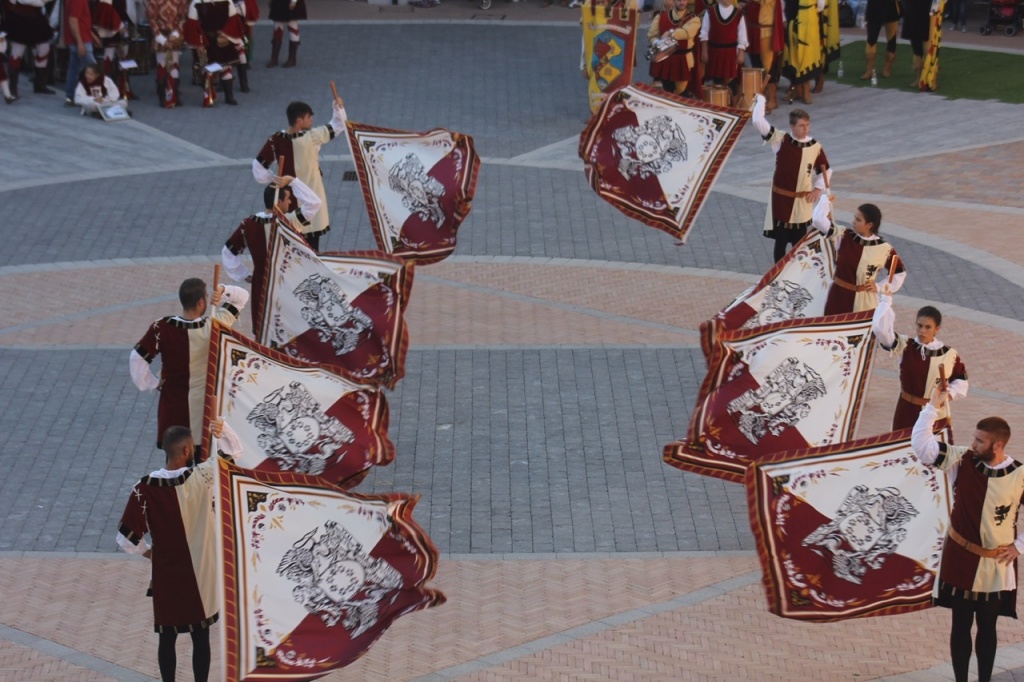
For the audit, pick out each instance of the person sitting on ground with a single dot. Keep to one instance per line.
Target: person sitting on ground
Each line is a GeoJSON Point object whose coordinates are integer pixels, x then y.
{"type": "Point", "coordinates": [95, 90]}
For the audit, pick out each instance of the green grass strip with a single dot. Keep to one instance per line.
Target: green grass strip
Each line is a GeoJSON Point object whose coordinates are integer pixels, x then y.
{"type": "Point", "coordinates": [963, 74]}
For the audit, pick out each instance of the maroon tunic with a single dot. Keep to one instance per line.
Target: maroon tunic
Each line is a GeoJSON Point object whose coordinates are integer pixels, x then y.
{"type": "Point", "coordinates": [676, 68]}
{"type": "Point", "coordinates": [178, 515]}
{"type": "Point", "coordinates": [723, 39]}
{"type": "Point", "coordinates": [795, 166]}
{"type": "Point", "coordinates": [210, 19]}
{"type": "Point", "coordinates": [918, 375]}
{"type": "Point", "coordinates": [858, 262]}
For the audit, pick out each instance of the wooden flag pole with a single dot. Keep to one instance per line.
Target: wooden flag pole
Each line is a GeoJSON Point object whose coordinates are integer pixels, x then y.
{"type": "Point", "coordinates": [828, 188]}
{"type": "Point", "coordinates": [334, 90]}
{"type": "Point", "coordinates": [216, 280]}
{"type": "Point", "coordinates": [943, 385]}
{"type": "Point", "coordinates": [893, 264]}
{"type": "Point", "coordinates": [280, 172]}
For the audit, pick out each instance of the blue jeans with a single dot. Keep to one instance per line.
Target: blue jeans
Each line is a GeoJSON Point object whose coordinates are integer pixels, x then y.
{"type": "Point", "coordinates": [76, 63]}
{"type": "Point", "coordinates": [960, 11]}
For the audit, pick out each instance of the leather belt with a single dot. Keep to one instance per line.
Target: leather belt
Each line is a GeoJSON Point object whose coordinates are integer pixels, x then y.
{"type": "Point", "coordinates": [921, 402]}
{"type": "Point", "coordinates": [970, 546]}
{"type": "Point", "coordinates": [787, 193]}
{"type": "Point", "coordinates": [843, 284]}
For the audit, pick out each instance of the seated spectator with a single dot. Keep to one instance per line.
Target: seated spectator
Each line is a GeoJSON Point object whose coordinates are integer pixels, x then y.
{"type": "Point", "coordinates": [95, 90]}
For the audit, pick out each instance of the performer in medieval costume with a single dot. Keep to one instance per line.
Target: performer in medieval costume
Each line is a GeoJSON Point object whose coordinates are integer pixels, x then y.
{"type": "Point", "coordinates": [829, 21]}
{"type": "Point", "coordinates": [723, 35]}
{"type": "Point", "coordinates": [920, 358]}
{"type": "Point", "coordinates": [5, 82]}
{"type": "Point", "coordinates": [978, 572]}
{"type": "Point", "coordinates": [110, 24]}
{"type": "Point", "coordinates": [300, 144]}
{"type": "Point", "coordinates": [28, 29]}
{"type": "Point", "coordinates": [250, 13]}
{"type": "Point", "coordinates": [767, 34]}
{"type": "Point", "coordinates": [678, 72]}
{"type": "Point", "coordinates": [879, 14]}
{"type": "Point", "coordinates": [253, 232]}
{"type": "Point", "coordinates": [95, 90]}
{"type": "Point", "coordinates": [183, 344]}
{"type": "Point", "coordinates": [861, 254]}
{"type": "Point", "coordinates": [286, 14]}
{"type": "Point", "coordinates": [174, 506]}
{"type": "Point", "coordinates": [215, 27]}
{"type": "Point", "coordinates": [915, 29]}
{"type": "Point", "coordinates": [167, 19]}
{"type": "Point", "coordinates": [804, 53]}
{"type": "Point", "coordinates": [797, 182]}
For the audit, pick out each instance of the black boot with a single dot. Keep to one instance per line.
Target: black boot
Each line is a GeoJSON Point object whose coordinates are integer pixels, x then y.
{"type": "Point", "coordinates": [275, 49]}
{"type": "Point", "coordinates": [39, 86]}
{"type": "Point", "coordinates": [161, 91]}
{"type": "Point", "coordinates": [293, 50]}
{"type": "Point", "coordinates": [243, 77]}
{"type": "Point", "coordinates": [229, 92]}
{"type": "Point", "coordinates": [13, 77]}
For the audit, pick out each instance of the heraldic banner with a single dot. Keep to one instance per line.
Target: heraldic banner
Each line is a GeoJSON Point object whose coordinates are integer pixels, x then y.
{"type": "Point", "coordinates": [609, 47]}
{"type": "Point", "coordinates": [293, 416]}
{"type": "Point", "coordinates": [849, 530]}
{"type": "Point", "coordinates": [784, 386]}
{"type": "Point", "coordinates": [344, 310]}
{"type": "Point", "coordinates": [313, 576]}
{"type": "Point", "coordinates": [418, 187]}
{"type": "Point", "coordinates": [654, 156]}
{"type": "Point", "coordinates": [794, 288]}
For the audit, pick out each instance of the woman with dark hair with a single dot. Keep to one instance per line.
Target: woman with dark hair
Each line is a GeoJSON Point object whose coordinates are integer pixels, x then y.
{"type": "Point", "coordinates": [95, 90]}
{"type": "Point", "coordinates": [861, 253]}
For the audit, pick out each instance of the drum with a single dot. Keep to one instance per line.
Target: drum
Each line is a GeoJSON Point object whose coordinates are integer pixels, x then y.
{"type": "Point", "coordinates": [753, 83]}
{"type": "Point", "coordinates": [139, 50]}
{"type": "Point", "coordinates": [661, 49]}
{"type": "Point", "coordinates": [718, 95]}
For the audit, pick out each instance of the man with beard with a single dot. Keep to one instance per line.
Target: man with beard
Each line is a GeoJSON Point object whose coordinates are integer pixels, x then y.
{"type": "Point", "coordinates": [977, 575]}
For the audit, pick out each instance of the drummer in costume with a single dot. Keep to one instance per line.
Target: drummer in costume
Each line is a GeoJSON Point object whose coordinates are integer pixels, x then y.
{"type": "Point", "coordinates": [286, 13]}
{"type": "Point", "coordinates": [677, 72]}
{"type": "Point", "coordinates": [881, 13]}
{"type": "Point", "coordinates": [167, 19]}
{"type": "Point", "coordinates": [723, 36]}
{"type": "Point", "coordinates": [110, 24]}
{"type": "Point", "coordinates": [803, 56]}
{"type": "Point", "coordinates": [28, 28]}
{"type": "Point", "coordinates": [767, 33]}
{"type": "Point", "coordinates": [216, 27]}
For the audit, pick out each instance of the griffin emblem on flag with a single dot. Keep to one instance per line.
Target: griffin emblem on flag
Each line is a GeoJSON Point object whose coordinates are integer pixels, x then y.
{"type": "Point", "coordinates": [418, 187]}
{"type": "Point", "coordinates": [848, 530]}
{"type": "Point", "coordinates": [654, 155]}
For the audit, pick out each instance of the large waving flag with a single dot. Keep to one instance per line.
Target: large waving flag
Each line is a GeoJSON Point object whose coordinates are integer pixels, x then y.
{"type": "Point", "coordinates": [794, 288]}
{"type": "Point", "coordinates": [848, 530]}
{"type": "Point", "coordinates": [654, 156]}
{"type": "Point", "coordinates": [313, 575]}
{"type": "Point", "coordinates": [294, 416]}
{"type": "Point", "coordinates": [784, 386]}
{"type": "Point", "coordinates": [418, 187]}
{"type": "Point", "coordinates": [344, 310]}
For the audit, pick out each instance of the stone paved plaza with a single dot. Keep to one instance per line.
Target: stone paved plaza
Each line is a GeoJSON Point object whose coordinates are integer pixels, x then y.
{"type": "Point", "coordinates": [551, 357]}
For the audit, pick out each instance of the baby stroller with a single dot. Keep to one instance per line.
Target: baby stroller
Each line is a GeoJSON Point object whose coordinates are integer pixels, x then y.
{"type": "Point", "coordinates": [1002, 13]}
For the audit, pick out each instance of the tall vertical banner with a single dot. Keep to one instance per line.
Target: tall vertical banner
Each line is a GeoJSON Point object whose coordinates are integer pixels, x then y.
{"type": "Point", "coordinates": [290, 415]}
{"type": "Point", "coordinates": [784, 386]}
{"type": "Point", "coordinates": [609, 47]}
{"type": "Point", "coordinates": [849, 530]}
{"type": "Point", "coordinates": [344, 310]}
{"type": "Point", "coordinates": [313, 575]}
{"type": "Point", "coordinates": [655, 156]}
{"type": "Point", "coordinates": [929, 80]}
{"type": "Point", "coordinates": [418, 187]}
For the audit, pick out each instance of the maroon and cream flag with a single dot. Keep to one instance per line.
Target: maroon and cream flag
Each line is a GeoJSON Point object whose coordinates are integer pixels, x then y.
{"type": "Point", "coordinates": [783, 386]}
{"type": "Point", "coordinates": [294, 416]}
{"type": "Point", "coordinates": [849, 530]}
{"type": "Point", "coordinates": [345, 310]}
{"type": "Point", "coordinates": [313, 575]}
{"type": "Point", "coordinates": [654, 155]}
{"type": "Point", "coordinates": [418, 187]}
{"type": "Point", "coordinates": [794, 288]}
